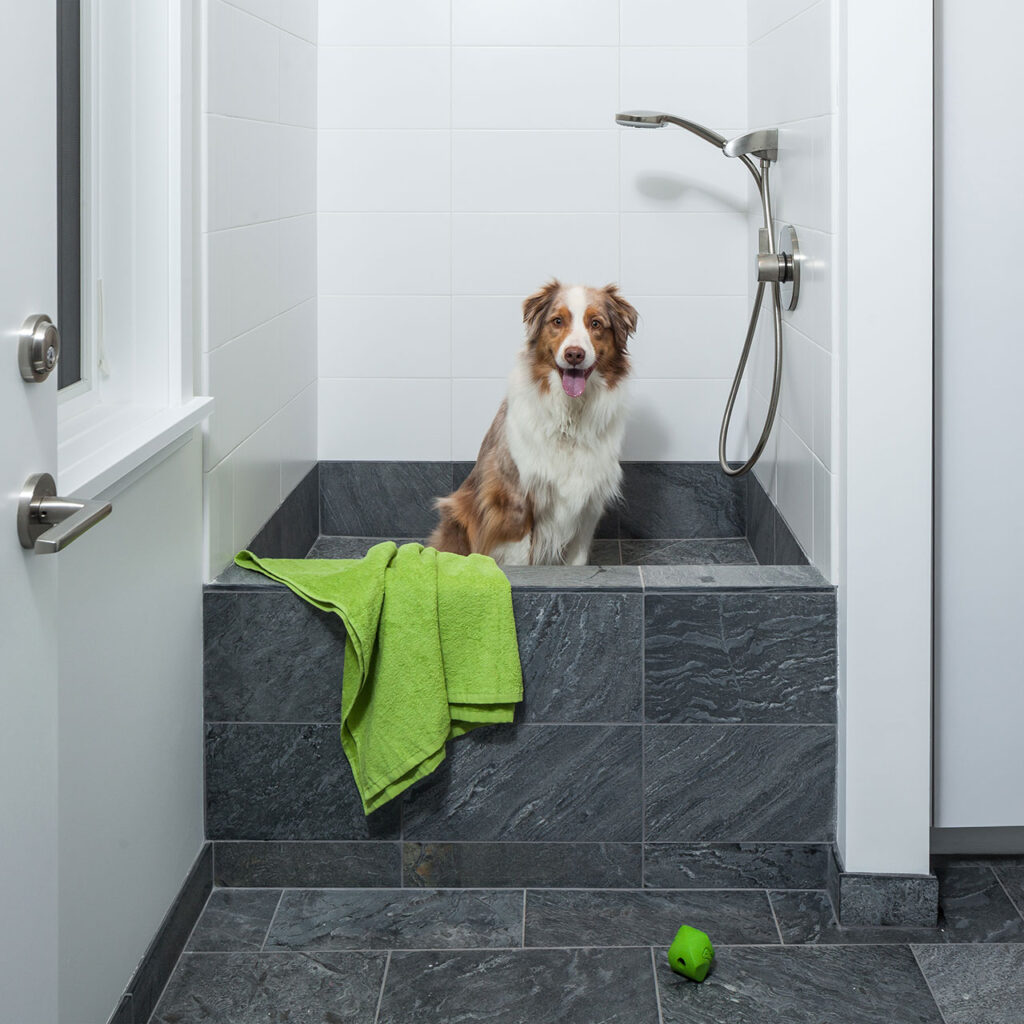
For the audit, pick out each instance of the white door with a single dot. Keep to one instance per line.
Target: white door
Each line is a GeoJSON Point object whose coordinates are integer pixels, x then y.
{"type": "Point", "coordinates": [28, 582]}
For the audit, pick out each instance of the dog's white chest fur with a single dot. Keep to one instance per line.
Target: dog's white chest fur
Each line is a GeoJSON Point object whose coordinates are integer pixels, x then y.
{"type": "Point", "coordinates": [567, 453]}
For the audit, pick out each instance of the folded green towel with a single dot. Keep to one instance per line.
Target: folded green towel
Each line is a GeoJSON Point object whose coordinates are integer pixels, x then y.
{"type": "Point", "coordinates": [431, 653]}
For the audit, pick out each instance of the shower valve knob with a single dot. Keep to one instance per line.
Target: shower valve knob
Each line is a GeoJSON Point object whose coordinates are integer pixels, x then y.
{"type": "Point", "coordinates": [782, 267]}
{"type": "Point", "coordinates": [772, 266]}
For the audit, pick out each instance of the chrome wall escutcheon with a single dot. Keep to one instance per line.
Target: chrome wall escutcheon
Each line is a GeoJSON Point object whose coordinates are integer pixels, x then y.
{"type": "Point", "coordinates": [46, 523]}
{"type": "Point", "coordinates": [38, 348]}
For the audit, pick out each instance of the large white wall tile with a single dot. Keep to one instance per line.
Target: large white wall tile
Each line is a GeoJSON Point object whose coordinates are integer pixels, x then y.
{"type": "Point", "coordinates": [685, 253]}
{"type": "Point", "coordinates": [242, 280]}
{"type": "Point", "coordinates": [384, 419]}
{"type": "Point", "coordinates": [299, 18]}
{"type": "Point", "coordinates": [534, 88]}
{"type": "Point", "coordinates": [297, 81]}
{"type": "Point", "coordinates": [296, 424]}
{"type": "Point", "coordinates": [382, 87]}
{"type": "Point", "coordinates": [672, 171]}
{"type": "Point", "coordinates": [694, 337]}
{"type": "Point", "coordinates": [295, 363]}
{"type": "Point", "coordinates": [677, 81]}
{"type": "Point", "coordinates": [487, 331]}
{"type": "Point", "coordinates": [385, 171]}
{"type": "Point", "coordinates": [796, 405]}
{"type": "Point", "coordinates": [765, 15]}
{"type": "Point", "coordinates": [801, 180]}
{"type": "Point", "coordinates": [813, 314]}
{"type": "Point", "coordinates": [790, 70]}
{"type": "Point", "coordinates": [684, 23]}
{"type": "Point", "coordinates": [296, 170]}
{"type": "Point", "coordinates": [535, 23]}
{"type": "Point", "coordinates": [257, 481]}
{"type": "Point", "coordinates": [822, 552]}
{"type": "Point", "coordinates": [395, 23]}
{"type": "Point", "coordinates": [796, 486]}
{"type": "Point", "coordinates": [242, 72]}
{"type": "Point", "coordinates": [531, 172]}
{"type": "Point", "coordinates": [244, 159]}
{"type": "Point", "coordinates": [371, 336]}
{"type": "Point", "coordinates": [676, 419]}
{"type": "Point", "coordinates": [474, 405]}
{"type": "Point", "coordinates": [494, 254]}
{"type": "Point", "coordinates": [297, 260]}
{"type": "Point", "coordinates": [384, 253]}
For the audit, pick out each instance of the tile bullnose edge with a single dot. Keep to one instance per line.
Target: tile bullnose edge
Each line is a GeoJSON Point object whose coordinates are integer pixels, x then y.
{"type": "Point", "coordinates": [668, 579]}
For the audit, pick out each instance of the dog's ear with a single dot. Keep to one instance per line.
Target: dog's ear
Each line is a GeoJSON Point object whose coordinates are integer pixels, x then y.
{"type": "Point", "coordinates": [622, 315]}
{"type": "Point", "coordinates": [536, 306]}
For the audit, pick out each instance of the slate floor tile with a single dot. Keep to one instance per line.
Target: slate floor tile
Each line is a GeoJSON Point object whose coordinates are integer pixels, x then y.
{"type": "Point", "coordinates": [577, 917]}
{"type": "Point", "coordinates": [806, 918]}
{"type": "Point", "coordinates": [253, 988]}
{"type": "Point", "coordinates": [974, 907]}
{"type": "Point", "coordinates": [398, 919]}
{"type": "Point", "coordinates": [522, 986]}
{"type": "Point", "coordinates": [975, 984]}
{"type": "Point", "coordinates": [802, 985]}
{"type": "Point", "coordinates": [235, 920]}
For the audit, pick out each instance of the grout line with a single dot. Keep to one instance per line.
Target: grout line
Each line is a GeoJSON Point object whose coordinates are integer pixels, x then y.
{"type": "Point", "coordinates": [263, 944]}
{"type": "Point", "coordinates": [523, 940]}
{"type": "Point", "coordinates": [775, 917]}
{"type": "Point", "coordinates": [383, 982]}
{"type": "Point", "coordinates": [657, 989]}
{"type": "Point", "coordinates": [928, 984]}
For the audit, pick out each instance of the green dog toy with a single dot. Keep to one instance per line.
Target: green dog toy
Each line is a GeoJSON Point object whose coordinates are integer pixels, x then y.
{"type": "Point", "coordinates": [691, 953]}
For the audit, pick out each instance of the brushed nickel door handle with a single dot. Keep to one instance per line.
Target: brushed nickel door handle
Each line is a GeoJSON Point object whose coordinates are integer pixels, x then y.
{"type": "Point", "coordinates": [47, 523]}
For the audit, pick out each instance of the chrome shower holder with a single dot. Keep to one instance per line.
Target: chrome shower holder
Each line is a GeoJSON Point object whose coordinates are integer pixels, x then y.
{"type": "Point", "coordinates": [782, 266]}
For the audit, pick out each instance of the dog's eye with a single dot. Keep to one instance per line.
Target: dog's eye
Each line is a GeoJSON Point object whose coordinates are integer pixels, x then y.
{"type": "Point", "coordinates": [557, 321]}
{"type": "Point", "coordinates": [596, 324]}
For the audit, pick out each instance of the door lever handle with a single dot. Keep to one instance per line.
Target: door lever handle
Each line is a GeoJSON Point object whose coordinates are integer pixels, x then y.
{"type": "Point", "coordinates": [47, 523]}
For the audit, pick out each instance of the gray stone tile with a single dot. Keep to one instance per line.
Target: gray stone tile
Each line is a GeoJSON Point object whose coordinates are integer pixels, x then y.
{"type": "Point", "coordinates": [740, 783]}
{"type": "Point", "coordinates": [881, 900]}
{"type": "Point", "coordinates": [975, 984]}
{"type": "Point", "coordinates": [234, 577]}
{"type": "Point", "coordinates": [605, 552]}
{"type": "Point", "coordinates": [802, 985]}
{"type": "Point", "coordinates": [581, 656]}
{"type": "Point", "coordinates": [234, 920]}
{"type": "Point", "coordinates": [574, 577]}
{"type": "Point", "coordinates": [787, 548]}
{"type": "Point", "coordinates": [1011, 875]}
{"type": "Point", "coordinates": [671, 578]}
{"type": "Point", "coordinates": [375, 499]}
{"type": "Point", "coordinates": [761, 516]}
{"type": "Point", "coordinates": [270, 657]}
{"type": "Point", "coordinates": [308, 865]}
{"type": "Point", "coordinates": [578, 783]}
{"type": "Point", "coordinates": [707, 551]}
{"type": "Point", "coordinates": [398, 919]}
{"type": "Point", "coordinates": [740, 657]}
{"type": "Point", "coordinates": [735, 865]}
{"type": "Point", "coordinates": [522, 986]}
{"type": "Point", "coordinates": [294, 526]}
{"type": "Point", "coordinates": [974, 907]}
{"type": "Point", "coordinates": [328, 546]}
{"type": "Point", "coordinates": [285, 782]}
{"type": "Point", "coordinates": [158, 961]}
{"type": "Point", "coordinates": [680, 499]}
{"type": "Point", "coordinates": [460, 470]}
{"type": "Point", "coordinates": [651, 917]}
{"type": "Point", "coordinates": [496, 865]}
{"type": "Point", "coordinates": [808, 918]}
{"type": "Point", "coordinates": [246, 988]}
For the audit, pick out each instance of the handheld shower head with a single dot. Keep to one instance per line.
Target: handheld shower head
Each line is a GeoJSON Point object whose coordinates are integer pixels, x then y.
{"type": "Point", "coordinates": [656, 119]}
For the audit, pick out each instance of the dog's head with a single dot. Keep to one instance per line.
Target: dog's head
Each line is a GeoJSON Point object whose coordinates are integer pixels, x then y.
{"type": "Point", "coordinates": [573, 331]}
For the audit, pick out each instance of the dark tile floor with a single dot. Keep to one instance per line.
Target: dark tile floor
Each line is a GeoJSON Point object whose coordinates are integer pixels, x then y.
{"type": "Point", "coordinates": [572, 956]}
{"type": "Point", "coordinates": [694, 551]}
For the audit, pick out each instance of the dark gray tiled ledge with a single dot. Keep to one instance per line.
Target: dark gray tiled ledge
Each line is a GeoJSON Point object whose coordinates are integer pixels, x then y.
{"type": "Point", "coordinates": [651, 579]}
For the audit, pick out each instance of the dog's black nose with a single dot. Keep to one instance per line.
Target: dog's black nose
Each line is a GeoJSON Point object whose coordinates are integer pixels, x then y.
{"type": "Point", "coordinates": [574, 355]}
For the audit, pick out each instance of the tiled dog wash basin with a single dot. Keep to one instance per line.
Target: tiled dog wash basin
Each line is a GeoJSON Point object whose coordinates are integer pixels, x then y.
{"type": "Point", "coordinates": [678, 727]}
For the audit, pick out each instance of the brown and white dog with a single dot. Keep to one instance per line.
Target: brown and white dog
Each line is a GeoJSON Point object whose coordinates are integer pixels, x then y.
{"type": "Point", "coordinates": [549, 465]}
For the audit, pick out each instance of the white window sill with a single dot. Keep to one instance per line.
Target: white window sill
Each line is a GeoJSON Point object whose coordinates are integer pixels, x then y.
{"type": "Point", "coordinates": [104, 449]}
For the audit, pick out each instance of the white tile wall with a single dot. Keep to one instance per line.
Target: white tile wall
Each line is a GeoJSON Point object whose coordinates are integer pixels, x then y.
{"type": "Point", "coordinates": [467, 153]}
{"type": "Point", "coordinates": [259, 262]}
{"type": "Point", "coordinates": [798, 468]}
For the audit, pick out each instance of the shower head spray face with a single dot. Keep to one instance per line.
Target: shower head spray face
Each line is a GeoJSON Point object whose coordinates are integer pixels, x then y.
{"type": "Point", "coordinates": [641, 119]}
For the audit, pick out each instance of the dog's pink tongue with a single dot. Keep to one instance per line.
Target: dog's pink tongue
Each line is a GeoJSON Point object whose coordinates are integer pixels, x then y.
{"type": "Point", "coordinates": [573, 382]}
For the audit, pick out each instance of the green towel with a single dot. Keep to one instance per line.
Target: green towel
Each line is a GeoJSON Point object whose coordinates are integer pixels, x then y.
{"type": "Point", "coordinates": [431, 653]}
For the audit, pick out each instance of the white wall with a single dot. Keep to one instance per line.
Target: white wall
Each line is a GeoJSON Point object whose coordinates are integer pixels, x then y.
{"type": "Point", "coordinates": [467, 153]}
{"type": "Point", "coordinates": [979, 702]}
{"type": "Point", "coordinates": [259, 254]}
{"type": "Point", "coordinates": [130, 712]}
{"type": "Point", "coordinates": [791, 85]}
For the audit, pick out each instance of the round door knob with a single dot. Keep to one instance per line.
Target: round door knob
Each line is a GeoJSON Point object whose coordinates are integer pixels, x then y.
{"type": "Point", "coordinates": [38, 348]}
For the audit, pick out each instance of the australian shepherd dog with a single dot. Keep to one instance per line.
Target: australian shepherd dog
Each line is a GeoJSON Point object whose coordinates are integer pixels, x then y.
{"type": "Point", "coordinates": [549, 465]}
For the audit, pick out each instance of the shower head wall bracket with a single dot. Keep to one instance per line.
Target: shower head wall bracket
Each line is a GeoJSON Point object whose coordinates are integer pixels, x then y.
{"type": "Point", "coordinates": [762, 143]}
